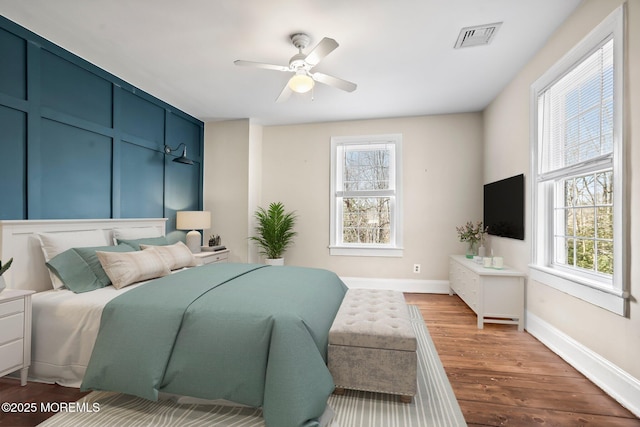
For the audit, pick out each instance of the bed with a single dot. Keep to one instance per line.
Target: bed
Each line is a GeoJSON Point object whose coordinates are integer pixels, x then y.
{"type": "Point", "coordinates": [246, 333]}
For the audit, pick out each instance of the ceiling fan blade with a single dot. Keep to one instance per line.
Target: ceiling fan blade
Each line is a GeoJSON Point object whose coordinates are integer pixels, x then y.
{"type": "Point", "coordinates": [334, 81]}
{"type": "Point", "coordinates": [322, 49]}
{"type": "Point", "coordinates": [242, 63]}
{"type": "Point", "coordinates": [285, 94]}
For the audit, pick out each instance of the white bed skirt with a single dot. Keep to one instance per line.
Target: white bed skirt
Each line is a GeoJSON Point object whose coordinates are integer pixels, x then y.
{"type": "Point", "coordinates": [65, 327]}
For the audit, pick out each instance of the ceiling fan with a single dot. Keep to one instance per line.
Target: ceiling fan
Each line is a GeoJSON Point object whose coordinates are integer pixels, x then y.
{"type": "Point", "coordinates": [301, 65]}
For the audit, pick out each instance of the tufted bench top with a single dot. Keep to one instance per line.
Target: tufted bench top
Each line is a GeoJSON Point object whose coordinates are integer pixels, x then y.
{"type": "Point", "coordinates": [374, 319]}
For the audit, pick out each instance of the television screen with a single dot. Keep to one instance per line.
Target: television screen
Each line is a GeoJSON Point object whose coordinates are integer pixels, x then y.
{"type": "Point", "coordinates": [504, 207]}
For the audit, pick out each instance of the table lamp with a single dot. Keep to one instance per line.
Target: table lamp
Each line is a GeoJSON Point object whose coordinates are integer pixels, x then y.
{"type": "Point", "coordinates": [194, 221]}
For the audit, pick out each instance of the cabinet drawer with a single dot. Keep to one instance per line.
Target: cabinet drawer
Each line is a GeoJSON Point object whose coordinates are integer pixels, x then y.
{"type": "Point", "coordinates": [217, 258]}
{"type": "Point", "coordinates": [11, 355]}
{"type": "Point", "coordinates": [209, 258]}
{"type": "Point", "coordinates": [11, 307]}
{"type": "Point", "coordinates": [11, 328]}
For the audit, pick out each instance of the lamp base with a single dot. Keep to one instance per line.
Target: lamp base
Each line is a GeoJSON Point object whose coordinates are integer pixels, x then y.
{"type": "Point", "coordinates": [194, 238]}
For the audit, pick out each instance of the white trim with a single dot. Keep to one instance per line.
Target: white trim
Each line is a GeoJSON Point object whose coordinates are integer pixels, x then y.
{"type": "Point", "coordinates": [617, 383]}
{"type": "Point", "coordinates": [604, 298]}
{"type": "Point", "coordinates": [615, 299]}
{"type": "Point", "coordinates": [395, 250]}
{"type": "Point", "coordinates": [402, 285]}
{"type": "Point", "coordinates": [366, 251]}
{"type": "Point", "coordinates": [612, 24]}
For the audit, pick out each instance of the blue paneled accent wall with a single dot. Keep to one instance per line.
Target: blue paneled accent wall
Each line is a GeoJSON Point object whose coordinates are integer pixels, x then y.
{"type": "Point", "coordinates": [78, 142]}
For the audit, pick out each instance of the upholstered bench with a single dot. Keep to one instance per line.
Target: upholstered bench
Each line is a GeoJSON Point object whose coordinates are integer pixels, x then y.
{"type": "Point", "coordinates": [372, 346]}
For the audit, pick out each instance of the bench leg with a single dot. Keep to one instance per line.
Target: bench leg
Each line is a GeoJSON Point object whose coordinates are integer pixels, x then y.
{"type": "Point", "coordinates": [406, 399]}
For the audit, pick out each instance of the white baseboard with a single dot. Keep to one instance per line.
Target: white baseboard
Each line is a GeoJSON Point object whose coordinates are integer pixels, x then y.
{"type": "Point", "coordinates": [617, 383]}
{"type": "Point", "coordinates": [403, 285]}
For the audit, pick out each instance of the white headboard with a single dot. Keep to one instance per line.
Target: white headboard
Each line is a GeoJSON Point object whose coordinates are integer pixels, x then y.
{"type": "Point", "coordinates": [18, 241]}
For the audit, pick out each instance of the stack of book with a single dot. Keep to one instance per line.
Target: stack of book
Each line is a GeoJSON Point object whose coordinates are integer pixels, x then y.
{"type": "Point", "coordinates": [213, 248]}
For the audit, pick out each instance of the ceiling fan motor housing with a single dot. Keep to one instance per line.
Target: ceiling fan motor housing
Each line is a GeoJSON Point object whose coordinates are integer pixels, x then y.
{"type": "Point", "coordinates": [300, 40]}
{"type": "Point", "coordinates": [297, 61]}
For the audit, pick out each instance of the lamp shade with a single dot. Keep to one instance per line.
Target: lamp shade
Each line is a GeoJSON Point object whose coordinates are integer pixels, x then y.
{"type": "Point", "coordinates": [184, 159]}
{"type": "Point", "coordinates": [193, 220]}
{"type": "Point", "coordinates": [301, 83]}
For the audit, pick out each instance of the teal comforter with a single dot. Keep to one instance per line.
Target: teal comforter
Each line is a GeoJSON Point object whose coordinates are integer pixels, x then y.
{"type": "Point", "coordinates": [247, 333]}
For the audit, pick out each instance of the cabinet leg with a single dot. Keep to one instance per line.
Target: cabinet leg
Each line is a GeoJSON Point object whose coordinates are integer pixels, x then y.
{"type": "Point", "coordinates": [23, 376]}
{"type": "Point", "coordinates": [480, 322]}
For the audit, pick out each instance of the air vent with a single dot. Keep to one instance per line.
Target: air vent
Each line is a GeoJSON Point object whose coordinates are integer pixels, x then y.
{"type": "Point", "coordinates": [477, 36]}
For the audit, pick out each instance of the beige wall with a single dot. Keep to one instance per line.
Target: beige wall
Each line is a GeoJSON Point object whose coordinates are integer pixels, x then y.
{"type": "Point", "coordinates": [247, 165]}
{"type": "Point", "coordinates": [442, 188]}
{"type": "Point", "coordinates": [506, 135]}
{"type": "Point", "coordinates": [226, 183]}
{"type": "Point", "coordinates": [255, 184]}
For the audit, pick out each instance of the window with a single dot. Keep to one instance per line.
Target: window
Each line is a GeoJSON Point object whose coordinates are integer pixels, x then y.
{"type": "Point", "coordinates": [578, 185]}
{"type": "Point", "coordinates": [366, 202]}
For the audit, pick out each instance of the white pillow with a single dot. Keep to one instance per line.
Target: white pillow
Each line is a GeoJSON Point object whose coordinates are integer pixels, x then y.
{"type": "Point", "coordinates": [126, 268]}
{"type": "Point", "coordinates": [53, 244]}
{"type": "Point", "coordinates": [135, 233]}
{"type": "Point", "coordinates": [175, 256]}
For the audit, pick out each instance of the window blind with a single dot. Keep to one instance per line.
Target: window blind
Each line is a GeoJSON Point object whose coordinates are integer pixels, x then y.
{"type": "Point", "coordinates": [576, 113]}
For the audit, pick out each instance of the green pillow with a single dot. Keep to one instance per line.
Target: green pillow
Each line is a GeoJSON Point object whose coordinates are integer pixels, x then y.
{"type": "Point", "coordinates": [153, 241]}
{"type": "Point", "coordinates": [80, 269]}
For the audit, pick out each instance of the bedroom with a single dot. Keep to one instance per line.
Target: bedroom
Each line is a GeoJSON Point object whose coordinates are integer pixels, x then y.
{"type": "Point", "coordinates": [242, 168]}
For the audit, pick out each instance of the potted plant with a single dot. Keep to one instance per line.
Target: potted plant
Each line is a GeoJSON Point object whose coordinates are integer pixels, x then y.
{"type": "Point", "coordinates": [4, 268]}
{"type": "Point", "coordinates": [274, 231]}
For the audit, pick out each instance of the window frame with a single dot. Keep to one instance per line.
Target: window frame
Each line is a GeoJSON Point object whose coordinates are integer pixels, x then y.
{"type": "Point", "coordinates": [610, 294]}
{"type": "Point", "coordinates": [336, 246]}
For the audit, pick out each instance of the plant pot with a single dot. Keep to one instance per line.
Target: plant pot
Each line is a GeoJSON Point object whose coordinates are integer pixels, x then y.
{"type": "Point", "coordinates": [274, 261]}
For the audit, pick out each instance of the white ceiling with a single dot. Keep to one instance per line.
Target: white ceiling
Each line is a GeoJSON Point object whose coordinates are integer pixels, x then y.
{"type": "Point", "coordinates": [400, 53]}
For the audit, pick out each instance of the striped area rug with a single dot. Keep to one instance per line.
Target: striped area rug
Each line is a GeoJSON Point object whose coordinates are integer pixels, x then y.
{"type": "Point", "coordinates": [434, 406]}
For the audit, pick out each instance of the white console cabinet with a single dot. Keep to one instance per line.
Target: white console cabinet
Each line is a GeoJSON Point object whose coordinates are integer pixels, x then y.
{"type": "Point", "coordinates": [495, 295]}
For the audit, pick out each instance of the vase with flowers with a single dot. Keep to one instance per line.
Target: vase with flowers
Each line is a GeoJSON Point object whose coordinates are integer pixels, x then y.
{"type": "Point", "coordinates": [472, 234]}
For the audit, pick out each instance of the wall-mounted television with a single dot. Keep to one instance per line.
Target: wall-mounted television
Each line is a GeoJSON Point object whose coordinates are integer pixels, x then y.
{"type": "Point", "coordinates": [504, 207]}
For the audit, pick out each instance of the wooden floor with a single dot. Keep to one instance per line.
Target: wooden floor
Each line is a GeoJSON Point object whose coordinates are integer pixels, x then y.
{"type": "Point", "coordinates": [500, 376]}
{"type": "Point", "coordinates": [23, 413]}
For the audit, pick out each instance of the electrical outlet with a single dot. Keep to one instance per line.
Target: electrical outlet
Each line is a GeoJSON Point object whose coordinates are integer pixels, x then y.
{"type": "Point", "coordinates": [416, 268]}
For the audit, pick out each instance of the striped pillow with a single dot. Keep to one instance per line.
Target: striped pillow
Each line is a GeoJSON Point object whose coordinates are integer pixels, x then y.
{"type": "Point", "coordinates": [126, 268]}
{"type": "Point", "coordinates": [175, 256]}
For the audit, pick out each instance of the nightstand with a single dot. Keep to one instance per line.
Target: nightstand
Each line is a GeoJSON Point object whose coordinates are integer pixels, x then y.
{"type": "Point", "coordinates": [15, 332]}
{"type": "Point", "coordinates": [211, 257]}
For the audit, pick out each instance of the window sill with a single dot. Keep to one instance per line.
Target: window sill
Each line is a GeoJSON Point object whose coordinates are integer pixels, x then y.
{"type": "Point", "coordinates": [366, 251]}
{"type": "Point", "coordinates": [609, 299]}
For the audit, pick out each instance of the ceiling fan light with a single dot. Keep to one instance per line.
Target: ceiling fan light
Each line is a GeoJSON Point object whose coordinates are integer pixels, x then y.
{"type": "Point", "coordinates": [301, 83]}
